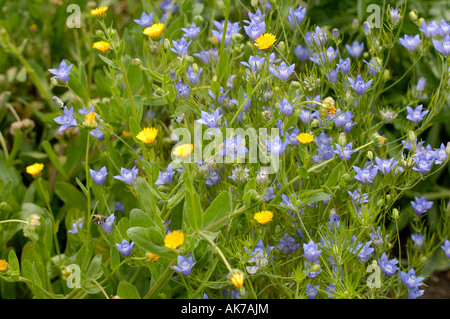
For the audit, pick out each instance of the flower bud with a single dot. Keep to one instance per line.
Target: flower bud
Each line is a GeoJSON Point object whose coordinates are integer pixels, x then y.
{"type": "Point", "coordinates": [412, 137]}
{"type": "Point", "coordinates": [380, 202]}
{"type": "Point", "coordinates": [314, 123]}
{"type": "Point", "coordinates": [370, 155]}
{"type": "Point", "coordinates": [173, 75]}
{"type": "Point", "coordinates": [413, 15]}
{"type": "Point", "coordinates": [335, 33]}
{"type": "Point", "coordinates": [281, 47]}
{"type": "Point", "coordinates": [447, 149]}
{"type": "Point", "coordinates": [137, 62]}
{"type": "Point", "coordinates": [237, 37]}
{"type": "Point", "coordinates": [395, 213]}
{"type": "Point", "coordinates": [366, 28]}
{"type": "Point", "coordinates": [236, 278]}
{"type": "Point", "coordinates": [166, 44]}
{"type": "Point", "coordinates": [198, 19]}
{"type": "Point", "coordinates": [254, 3]}
{"type": "Point", "coordinates": [295, 84]}
{"type": "Point", "coordinates": [342, 139]}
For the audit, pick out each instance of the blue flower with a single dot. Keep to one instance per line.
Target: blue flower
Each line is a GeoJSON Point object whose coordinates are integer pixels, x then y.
{"type": "Point", "coordinates": [446, 248]}
{"type": "Point", "coordinates": [410, 279]}
{"type": "Point", "coordinates": [192, 76]}
{"type": "Point", "coordinates": [330, 290]}
{"type": "Point", "coordinates": [345, 152]}
{"type": "Point", "coordinates": [233, 147]}
{"type": "Point", "coordinates": [356, 49]}
{"type": "Point", "coordinates": [319, 36]}
{"type": "Point", "coordinates": [395, 15]}
{"type": "Point", "coordinates": [214, 177]}
{"type": "Point", "coordinates": [311, 291]}
{"type": "Point", "coordinates": [302, 53]}
{"type": "Point", "coordinates": [344, 65]}
{"type": "Point", "coordinates": [259, 256]}
{"type": "Point", "coordinates": [415, 293]}
{"type": "Point", "coordinates": [210, 119]}
{"type": "Point", "coordinates": [191, 32]}
{"type": "Point", "coordinates": [184, 90]}
{"type": "Point", "coordinates": [363, 251]}
{"type": "Point", "coordinates": [185, 264]}
{"type": "Point", "coordinates": [444, 28]}
{"type": "Point", "coordinates": [63, 72]}
{"type": "Point", "coordinates": [366, 174]}
{"type": "Point", "coordinates": [373, 65]}
{"type": "Point", "coordinates": [423, 163]}
{"type": "Point", "coordinates": [444, 46]}
{"type": "Point", "coordinates": [291, 137]}
{"type": "Point", "coordinates": [429, 29]}
{"type": "Point", "coordinates": [418, 240]}
{"type": "Point", "coordinates": [410, 42]}
{"type": "Point", "coordinates": [359, 85]}
{"type": "Point", "coordinates": [165, 177]}
{"type": "Point", "coordinates": [311, 251]}
{"type": "Point", "coordinates": [385, 165]}
{"type": "Point", "coordinates": [309, 269]}
{"type": "Point", "coordinates": [232, 28]}
{"type": "Point", "coordinates": [108, 225]}
{"type": "Point", "coordinates": [221, 97]}
{"type": "Point", "coordinates": [421, 84]}
{"type": "Point", "coordinates": [276, 147]}
{"type": "Point", "coordinates": [125, 248]}
{"type": "Point", "coordinates": [146, 20]}
{"type": "Point", "coordinates": [332, 75]}
{"type": "Point", "coordinates": [99, 176]}
{"type": "Point", "coordinates": [283, 72]}
{"type": "Point", "coordinates": [285, 107]}
{"type": "Point", "coordinates": [255, 17]}
{"type": "Point", "coordinates": [388, 266]}
{"type": "Point", "coordinates": [66, 120]}
{"type": "Point", "coordinates": [270, 194]}
{"type": "Point", "coordinates": [255, 29]}
{"type": "Point", "coordinates": [180, 47]}
{"type": "Point", "coordinates": [296, 16]}
{"type": "Point", "coordinates": [324, 153]}
{"type": "Point", "coordinates": [287, 245]}
{"type": "Point", "coordinates": [324, 58]}
{"type": "Point", "coordinates": [127, 175]}
{"type": "Point", "coordinates": [75, 226]}
{"type": "Point", "coordinates": [440, 155]}
{"type": "Point", "coordinates": [357, 198]}
{"type": "Point", "coordinates": [421, 205]}
{"type": "Point", "coordinates": [207, 55]}
{"type": "Point", "coordinates": [416, 115]}
{"type": "Point", "coordinates": [254, 63]}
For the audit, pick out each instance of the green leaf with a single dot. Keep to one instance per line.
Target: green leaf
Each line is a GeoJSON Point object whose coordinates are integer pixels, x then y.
{"type": "Point", "coordinates": [146, 198]}
{"type": "Point", "coordinates": [126, 290]}
{"type": "Point", "coordinates": [193, 208]}
{"type": "Point", "coordinates": [214, 216]}
{"type": "Point", "coordinates": [302, 172]}
{"type": "Point", "coordinates": [333, 178]}
{"type": "Point", "coordinates": [150, 240]}
{"type": "Point", "coordinates": [135, 128]}
{"type": "Point", "coordinates": [70, 195]}
{"type": "Point", "coordinates": [13, 265]}
{"type": "Point", "coordinates": [111, 63]}
{"type": "Point", "coordinates": [54, 158]}
{"type": "Point", "coordinates": [140, 218]}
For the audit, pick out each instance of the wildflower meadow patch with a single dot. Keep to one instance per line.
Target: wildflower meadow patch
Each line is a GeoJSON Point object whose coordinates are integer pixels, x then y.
{"type": "Point", "coordinates": [223, 149]}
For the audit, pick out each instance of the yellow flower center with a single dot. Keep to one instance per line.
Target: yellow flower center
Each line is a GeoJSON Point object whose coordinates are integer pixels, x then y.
{"type": "Point", "coordinates": [90, 117]}
{"type": "Point", "coordinates": [332, 110]}
{"type": "Point", "coordinates": [3, 265]}
{"type": "Point", "coordinates": [99, 11]}
{"type": "Point", "coordinates": [126, 133]}
{"type": "Point", "coordinates": [305, 138]}
{"type": "Point", "coordinates": [174, 239]}
{"type": "Point", "coordinates": [265, 41]}
{"type": "Point", "coordinates": [35, 169]}
{"type": "Point", "coordinates": [154, 31]}
{"type": "Point", "coordinates": [183, 150]}
{"type": "Point", "coordinates": [383, 139]}
{"type": "Point", "coordinates": [147, 135]}
{"type": "Point", "coordinates": [264, 216]}
{"type": "Point", "coordinates": [101, 46]}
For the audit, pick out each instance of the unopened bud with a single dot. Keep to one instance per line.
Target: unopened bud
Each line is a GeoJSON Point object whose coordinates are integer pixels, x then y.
{"type": "Point", "coordinates": [370, 155]}
{"type": "Point", "coordinates": [335, 33]}
{"type": "Point", "coordinates": [236, 278]}
{"type": "Point", "coordinates": [198, 19]}
{"type": "Point", "coordinates": [314, 123]}
{"type": "Point", "coordinates": [380, 202]}
{"type": "Point", "coordinates": [366, 28]}
{"type": "Point", "coordinates": [295, 84]}
{"type": "Point", "coordinates": [281, 47]}
{"type": "Point", "coordinates": [137, 62]}
{"type": "Point", "coordinates": [166, 44]}
{"type": "Point", "coordinates": [447, 149]}
{"type": "Point", "coordinates": [412, 137]}
{"type": "Point", "coordinates": [413, 15]}
{"type": "Point", "coordinates": [395, 213]}
{"type": "Point", "coordinates": [342, 139]}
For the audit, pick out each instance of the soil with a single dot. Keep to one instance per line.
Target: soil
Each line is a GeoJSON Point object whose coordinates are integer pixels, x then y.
{"type": "Point", "coordinates": [437, 286]}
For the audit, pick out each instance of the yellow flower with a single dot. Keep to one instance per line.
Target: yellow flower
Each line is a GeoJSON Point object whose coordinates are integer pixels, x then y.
{"type": "Point", "coordinates": [183, 150]}
{"type": "Point", "coordinates": [89, 120]}
{"type": "Point", "coordinates": [305, 138]}
{"type": "Point", "coordinates": [236, 278]}
{"type": "Point", "coordinates": [154, 31]}
{"type": "Point", "coordinates": [35, 169]}
{"type": "Point", "coordinates": [151, 257]}
{"type": "Point", "coordinates": [147, 135]}
{"type": "Point", "coordinates": [101, 46]}
{"type": "Point", "coordinates": [126, 133]}
{"type": "Point", "coordinates": [382, 139]}
{"type": "Point", "coordinates": [3, 265]}
{"type": "Point", "coordinates": [332, 110]}
{"type": "Point", "coordinates": [264, 216]}
{"type": "Point", "coordinates": [174, 239]}
{"type": "Point", "coordinates": [99, 11]}
{"type": "Point", "coordinates": [265, 41]}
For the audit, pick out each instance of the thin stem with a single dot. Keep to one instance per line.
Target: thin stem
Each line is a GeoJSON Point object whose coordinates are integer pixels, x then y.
{"type": "Point", "coordinates": [218, 250]}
